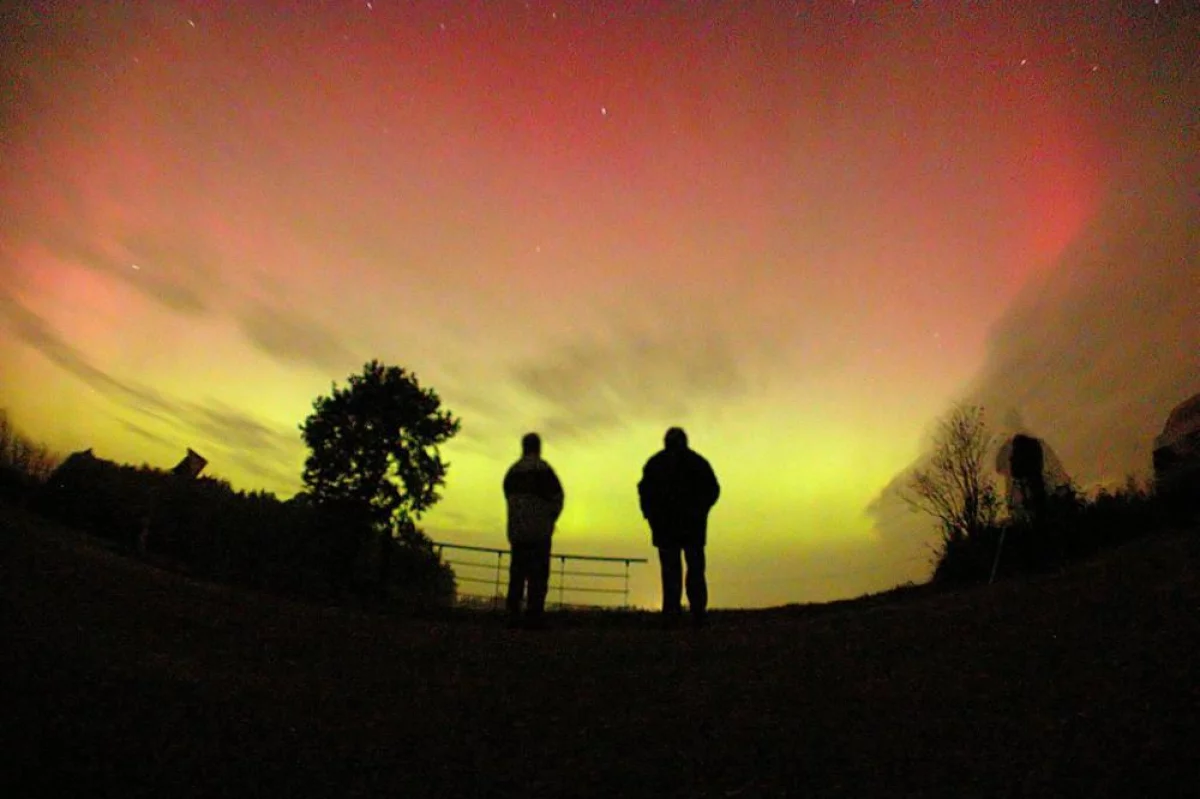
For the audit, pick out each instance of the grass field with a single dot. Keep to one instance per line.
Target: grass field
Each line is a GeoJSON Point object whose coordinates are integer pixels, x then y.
{"type": "Point", "coordinates": [125, 681]}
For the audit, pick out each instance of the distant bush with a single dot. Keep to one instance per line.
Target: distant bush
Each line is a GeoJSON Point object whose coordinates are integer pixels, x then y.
{"type": "Point", "coordinates": [1070, 528]}
{"type": "Point", "coordinates": [204, 527]}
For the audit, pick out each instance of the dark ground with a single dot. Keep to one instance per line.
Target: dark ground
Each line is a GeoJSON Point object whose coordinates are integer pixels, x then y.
{"type": "Point", "coordinates": [122, 680]}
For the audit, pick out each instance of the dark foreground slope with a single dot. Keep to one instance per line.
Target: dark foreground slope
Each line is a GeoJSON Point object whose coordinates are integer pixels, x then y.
{"type": "Point", "coordinates": [120, 680]}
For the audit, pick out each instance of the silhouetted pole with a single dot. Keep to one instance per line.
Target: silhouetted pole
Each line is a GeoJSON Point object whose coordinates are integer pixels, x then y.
{"type": "Point", "coordinates": [996, 560]}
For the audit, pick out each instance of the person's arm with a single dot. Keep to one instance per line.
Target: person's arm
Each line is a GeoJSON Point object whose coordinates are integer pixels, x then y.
{"type": "Point", "coordinates": [714, 487]}
{"type": "Point", "coordinates": [509, 483]}
{"type": "Point", "coordinates": [557, 496]}
{"type": "Point", "coordinates": [646, 492]}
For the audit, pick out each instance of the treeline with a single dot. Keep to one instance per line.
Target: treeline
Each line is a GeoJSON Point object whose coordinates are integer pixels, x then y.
{"type": "Point", "coordinates": [203, 527]}
{"type": "Point", "coordinates": [1049, 522]}
{"type": "Point", "coordinates": [1069, 528]}
{"type": "Point", "coordinates": [24, 463]}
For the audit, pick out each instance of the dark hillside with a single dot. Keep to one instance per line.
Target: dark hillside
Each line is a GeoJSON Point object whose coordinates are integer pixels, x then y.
{"type": "Point", "coordinates": [122, 680]}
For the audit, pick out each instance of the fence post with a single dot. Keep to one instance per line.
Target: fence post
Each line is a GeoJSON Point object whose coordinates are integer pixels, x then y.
{"type": "Point", "coordinates": [498, 579]}
{"type": "Point", "coordinates": [562, 579]}
{"type": "Point", "coordinates": [625, 599]}
{"type": "Point", "coordinates": [496, 591]}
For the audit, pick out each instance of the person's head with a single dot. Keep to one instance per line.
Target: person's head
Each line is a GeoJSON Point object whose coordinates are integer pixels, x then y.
{"type": "Point", "coordinates": [675, 439]}
{"type": "Point", "coordinates": [531, 444]}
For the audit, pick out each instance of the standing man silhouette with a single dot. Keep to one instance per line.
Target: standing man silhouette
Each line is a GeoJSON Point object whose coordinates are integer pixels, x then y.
{"type": "Point", "coordinates": [1022, 461]}
{"type": "Point", "coordinates": [535, 501]}
{"type": "Point", "coordinates": [676, 492]}
{"type": "Point", "coordinates": [1028, 468]}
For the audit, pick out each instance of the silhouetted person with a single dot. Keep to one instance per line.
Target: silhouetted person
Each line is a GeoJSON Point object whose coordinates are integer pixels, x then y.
{"type": "Point", "coordinates": [1027, 470]}
{"type": "Point", "coordinates": [535, 500]}
{"type": "Point", "coordinates": [677, 490]}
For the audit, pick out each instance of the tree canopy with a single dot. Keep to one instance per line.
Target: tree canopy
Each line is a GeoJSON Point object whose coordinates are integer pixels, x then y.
{"type": "Point", "coordinates": [374, 444]}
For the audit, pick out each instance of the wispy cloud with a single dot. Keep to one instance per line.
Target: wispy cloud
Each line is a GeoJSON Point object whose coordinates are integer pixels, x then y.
{"type": "Point", "coordinates": [595, 386]}
{"type": "Point", "coordinates": [180, 271]}
{"type": "Point", "coordinates": [142, 432]}
{"type": "Point", "coordinates": [30, 328]}
{"type": "Point", "coordinates": [257, 447]}
{"type": "Point", "coordinates": [156, 265]}
{"type": "Point", "coordinates": [294, 338]}
{"type": "Point", "coordinates": [242, 431]}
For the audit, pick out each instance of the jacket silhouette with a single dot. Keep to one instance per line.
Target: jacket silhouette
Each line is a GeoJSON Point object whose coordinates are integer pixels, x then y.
{"type": "Point", "coordinates": [535, 500]}
{"type": "Point", "coordinates": [676, 492]}
{"type": "Point", "coordinates": [1022, 460]}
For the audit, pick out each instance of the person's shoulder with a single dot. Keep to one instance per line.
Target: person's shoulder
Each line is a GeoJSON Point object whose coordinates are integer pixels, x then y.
{"type": "Point", "coordinates": [552, 478]}
{"type": "Point", "coordinates": [701, 466]}
{"type": "Point", "coordinates": [519, 467]}
{"type": "Point", "coordinates": [534, 466]}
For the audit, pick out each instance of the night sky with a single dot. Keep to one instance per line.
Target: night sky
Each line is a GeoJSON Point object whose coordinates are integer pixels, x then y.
{"type": "Point", "coordinates": [799, 230]}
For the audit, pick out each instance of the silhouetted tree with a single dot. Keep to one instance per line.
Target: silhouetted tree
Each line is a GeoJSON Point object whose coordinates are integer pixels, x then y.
{"type": "Point", "coordinates": [954, 487]}
{"type": "Point", "coordinates": [374, 448]}
{"type": "Point", "coordinates": [24, 464]}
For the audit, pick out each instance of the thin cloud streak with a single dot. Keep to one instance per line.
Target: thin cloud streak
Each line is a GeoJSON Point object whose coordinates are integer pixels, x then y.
{"type": "Point", "coordinates": [594, 386]}
{"type": "Point", "coordinates": [294, 338]}
{"type": "Point", "coordinates": [256, 446]}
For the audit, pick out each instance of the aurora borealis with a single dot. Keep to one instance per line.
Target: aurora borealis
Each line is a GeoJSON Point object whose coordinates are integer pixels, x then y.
{"type": "Point", "coordinates": [799, 230]}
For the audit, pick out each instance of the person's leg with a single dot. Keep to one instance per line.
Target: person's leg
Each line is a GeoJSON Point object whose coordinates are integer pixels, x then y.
{"type": "Point", "coordinates": [539, 579]}
{"type": "Point", "coordinates": [672, 579]}
{"type": "Point", "coordinates": [517, 577]}
{"type": "Point", "coordinates": [697, 585]}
